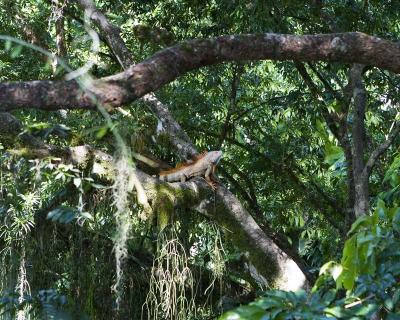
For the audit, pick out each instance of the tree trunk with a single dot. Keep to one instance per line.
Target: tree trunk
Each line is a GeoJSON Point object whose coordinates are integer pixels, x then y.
{"type": "Point", "coordinates": [361, 192]}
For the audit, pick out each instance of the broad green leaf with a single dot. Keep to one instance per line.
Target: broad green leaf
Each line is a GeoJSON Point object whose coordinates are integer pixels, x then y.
{"type": "Point", "coordinates": [396, 220]}
{"type": "Point", "coordinates": [16, 51]}
{"type": "Point", "coordinates": [86, 215]}
{"type": "Point", "coordinates": [7, 45]}
{"type": "Point", "coordinates": [62, 214]}
{"type": "Point", "coordinates": [102, 132]}
{"type": "Point", "coordinates": [366, 309]}
{"type": "Point", "coordinates": [326, 267]}
{"type": "Point", "coordinates": [245, 313]}
{"type": "Point", "coordinates": [333, 154]}
{"type": "Point", "coordinates": [337, 312]}
{"type": "Point", "coordinates": [389, 304]}
{"type": "Point", "coordinates": [362, 221]}
{"type": "Point", "coordinates": [266, 303]}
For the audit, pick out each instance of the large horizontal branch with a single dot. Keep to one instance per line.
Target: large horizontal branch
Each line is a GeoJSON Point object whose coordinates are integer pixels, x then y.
{"type": "Point", "coordinates": [168, 64]}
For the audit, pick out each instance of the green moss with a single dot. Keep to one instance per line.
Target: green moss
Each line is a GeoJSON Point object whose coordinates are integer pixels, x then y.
{"type": "Point", "coordinates": [164, 206]}
{"type": "Point", "coordinates": [168, 196]}
{"type": "Point", "coordinates": [165, 211]}
{"type": "Point", "coordinates": [103, 169]}
{"type": "Point", "coordinates": [264, 265]}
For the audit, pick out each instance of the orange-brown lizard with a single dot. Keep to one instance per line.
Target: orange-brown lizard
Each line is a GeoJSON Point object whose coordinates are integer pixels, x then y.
{"type": "Point", "coordinates": [202, 165]}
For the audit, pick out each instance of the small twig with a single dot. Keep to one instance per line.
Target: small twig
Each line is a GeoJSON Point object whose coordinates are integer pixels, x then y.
{"type": "Point", "coordinates": [381, 148]}
{"type": "Point", "coordinates": [355, 303]}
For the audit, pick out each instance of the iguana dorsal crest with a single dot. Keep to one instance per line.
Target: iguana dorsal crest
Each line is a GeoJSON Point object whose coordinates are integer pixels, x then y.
{"type": "Point", "coordinates": [182, 165]}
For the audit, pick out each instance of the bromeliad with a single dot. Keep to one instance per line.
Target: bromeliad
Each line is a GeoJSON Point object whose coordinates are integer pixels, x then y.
{"type": "Point", "coordinates": [202, 165]}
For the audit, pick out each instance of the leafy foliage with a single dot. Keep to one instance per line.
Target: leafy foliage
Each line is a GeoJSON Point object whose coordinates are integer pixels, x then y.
{"type": "Point", "coordinates": [366, 279]}
{"type": "Point", "coordinates": [281, 159]}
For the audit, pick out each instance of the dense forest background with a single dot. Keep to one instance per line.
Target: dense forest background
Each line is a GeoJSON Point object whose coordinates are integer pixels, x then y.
{"type": "Point", "coordinates": [98, 97]}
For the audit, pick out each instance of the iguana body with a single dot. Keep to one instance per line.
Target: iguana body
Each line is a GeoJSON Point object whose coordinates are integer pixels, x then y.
{"type": "Point", "coordinates": [203, 165]}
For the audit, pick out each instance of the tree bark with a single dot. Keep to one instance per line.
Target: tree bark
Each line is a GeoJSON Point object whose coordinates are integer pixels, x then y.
{"type": "Point", "coordinates": [168, 64]}
{"type": "Point", "coordinates": [361, 190]}
{"type": "Point", "coordinates": [60, 31]}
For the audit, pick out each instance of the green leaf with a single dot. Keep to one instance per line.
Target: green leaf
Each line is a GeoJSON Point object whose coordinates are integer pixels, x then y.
{"type": "Point", "coordinates": [102, 132]}
{"type": "Point", "coordinates": [392, 316]}
{"type": "Point", "coordinates": [326, 267]}
{"type": "Point", "coordinates": [86, 215]}
{"type": "Point", "coordinates": [333, 154]}
{"type": "Point", "coordinates": [380, 210]}
{"type": "Point", "coordinates": [67, 217]}
{"type": "Point", "coordinates": [392, 171]}
{"type": "Point", "coordinates": [392, 212]}
{"type": "Point", "coordinates": [16, 51]}
{"type": "Point", "coordinates": [266, 303]}
{"type": "Point", "coordinates": [54, 214]}
{"type": "Point", "coordinates": [389, 304]}
{"type": "Point", "coordinates": [365, 310]}
{"type": "Point", "coordinates": [8, 45]}
{"type": "Point", "coordinates": [396, 296]}
{"type": "Point", "coordinates": [328, 297]}
{"type": "Point", "coordinates": [396, 220]}
{"type": "Point", "coordinates": [362, 221]}
{"type": "Point", "coordinates": [337, 312]}
{"type": "Point", "coordinates": [245, 313]}
{"type": "Point", "coordinates": [349, 263]}
{"type": "Point", "coordinates": [62, 214]}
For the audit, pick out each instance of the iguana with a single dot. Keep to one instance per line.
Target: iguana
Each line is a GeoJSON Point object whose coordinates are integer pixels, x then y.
{"type": "Point", "coordinates": [202, 165]}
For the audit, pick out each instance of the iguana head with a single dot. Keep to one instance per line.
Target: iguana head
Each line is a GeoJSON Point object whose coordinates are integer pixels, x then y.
{"type": "Point", "coordinates": [213, 156]}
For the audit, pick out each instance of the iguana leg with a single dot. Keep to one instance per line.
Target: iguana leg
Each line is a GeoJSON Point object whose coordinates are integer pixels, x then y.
{"type": "Point", "coordinates": [208, 175]}
{"type": "Point", "coordinates": [183, 178]}
{"type": "Point", "coordinates": [213, 176]}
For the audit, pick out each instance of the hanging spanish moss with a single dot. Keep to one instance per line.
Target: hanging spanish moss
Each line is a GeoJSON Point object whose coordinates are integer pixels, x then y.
{"type": "Point", "coordinates": [171, 294]}
{"type": "Point", "coordinates": [123, 170]}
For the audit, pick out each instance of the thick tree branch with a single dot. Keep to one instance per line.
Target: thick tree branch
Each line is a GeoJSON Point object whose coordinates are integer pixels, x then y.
{"type": "Point", "coordinates": [168, 64]}
{"type": "Point", "coordinates": [358, 130]}
{"type": "Point", "coordinates": [255, 208]}
{"type": "Point", "coordinates": [60, 32]}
